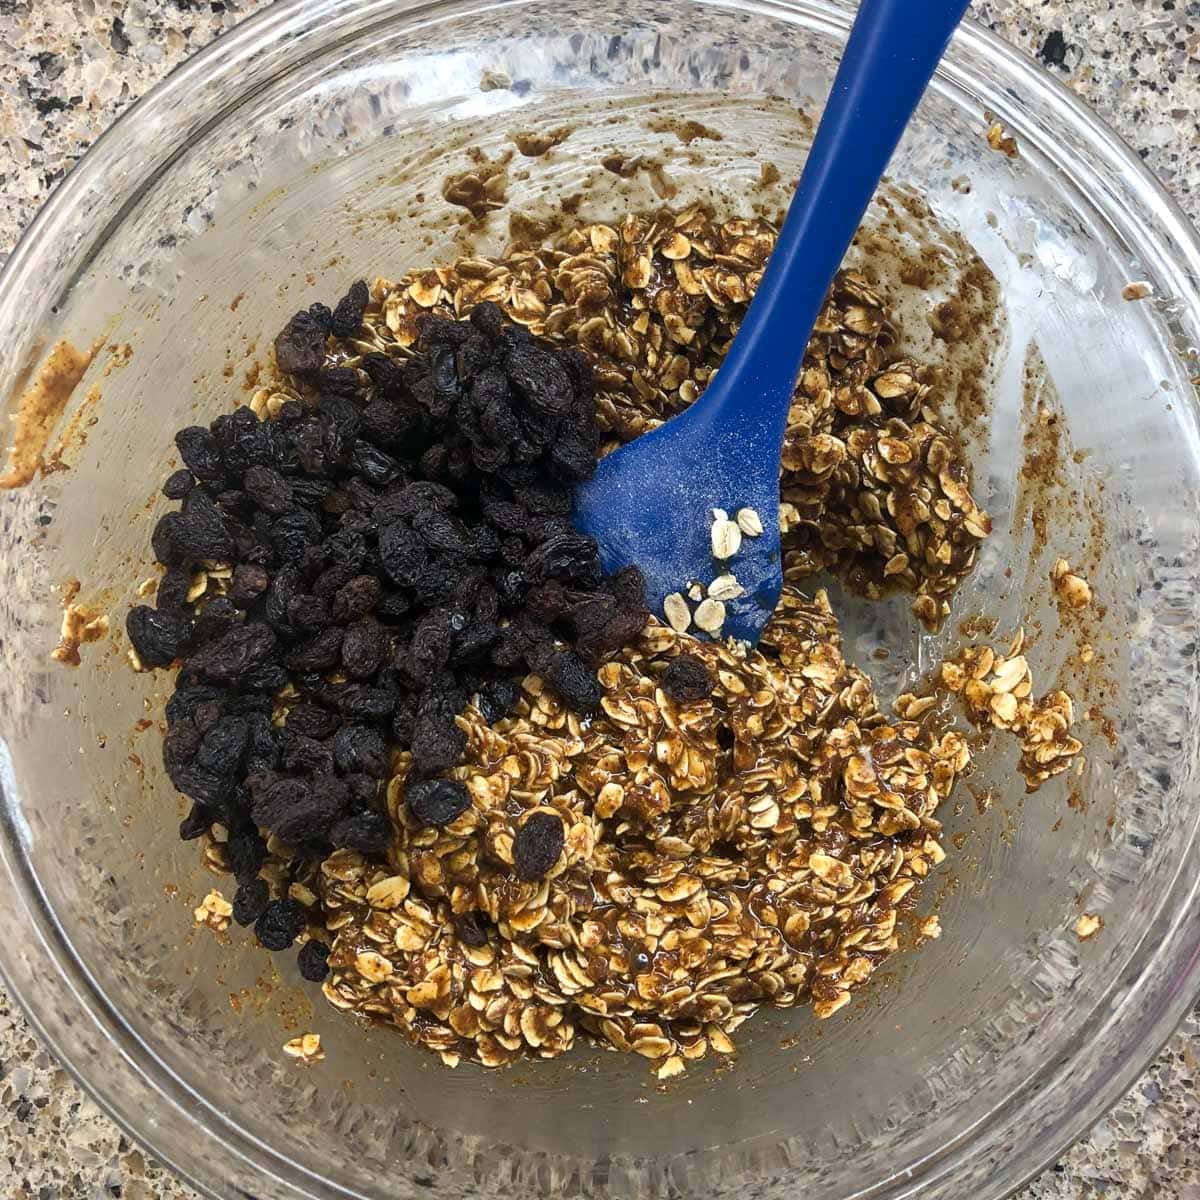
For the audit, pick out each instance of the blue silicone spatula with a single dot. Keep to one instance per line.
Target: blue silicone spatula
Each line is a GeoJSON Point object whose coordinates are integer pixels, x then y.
{"type": "Point", "coordinates": [651, 502]}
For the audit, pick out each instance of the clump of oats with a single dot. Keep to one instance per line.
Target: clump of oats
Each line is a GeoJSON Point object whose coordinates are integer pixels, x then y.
{"type": "Point", "coordinates": [1072, 589]}
{"type": "Point", "coordinates": [1088, 925]}
{"type": "Point", "coordinates": [746, 849]}
{"type": "Point", "coordinates": [306, 1047]}
{"type": "Point", "coordinates": [997, 691]}
{"type": "Point", "coordinates": [214, 911]}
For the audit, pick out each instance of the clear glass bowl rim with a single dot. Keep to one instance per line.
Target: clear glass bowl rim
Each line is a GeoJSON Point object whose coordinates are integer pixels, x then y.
{"type": "Point", "coordinates": [55, 989]}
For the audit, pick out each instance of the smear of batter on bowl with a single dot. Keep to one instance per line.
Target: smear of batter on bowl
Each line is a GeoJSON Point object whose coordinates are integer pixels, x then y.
{"type": "Point", "coordinates": [40, 407]}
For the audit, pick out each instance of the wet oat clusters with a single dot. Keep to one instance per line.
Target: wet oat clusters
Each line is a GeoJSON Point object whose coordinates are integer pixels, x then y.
{"type": "Point", "coordinates": [496, 803]}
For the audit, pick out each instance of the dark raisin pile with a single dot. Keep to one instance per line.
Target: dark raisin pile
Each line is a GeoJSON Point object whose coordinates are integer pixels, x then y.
{"type": "Point", "coordinates": [401, 544]}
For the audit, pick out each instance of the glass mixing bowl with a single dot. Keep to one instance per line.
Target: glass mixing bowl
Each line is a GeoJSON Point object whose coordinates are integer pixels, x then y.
{"type": "Point", "coordinates": [308, 147]}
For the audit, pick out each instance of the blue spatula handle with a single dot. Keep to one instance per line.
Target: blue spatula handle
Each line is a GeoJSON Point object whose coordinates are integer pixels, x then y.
{"type": "Point", "coordinates": [893, 50]}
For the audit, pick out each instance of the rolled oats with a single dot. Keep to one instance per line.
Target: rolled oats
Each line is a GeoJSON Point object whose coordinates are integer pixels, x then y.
{"type": "Point", "coordinates": [726, 538]}
{"type": "Point", "coordinates": [749, 522]}
{"type": "Point", "coordinates": [710, 615]}
{"type": "Point", "coordinates": [676, 610]}
{"type": "Point", "coordinates": [725, 587]}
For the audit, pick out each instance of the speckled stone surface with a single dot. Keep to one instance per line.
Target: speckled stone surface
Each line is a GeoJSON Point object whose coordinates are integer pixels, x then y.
{"type": "Point", "coordinates": [69, 67]}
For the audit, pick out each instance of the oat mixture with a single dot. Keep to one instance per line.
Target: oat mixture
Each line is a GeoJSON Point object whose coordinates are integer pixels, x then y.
{"type": "Point", "coordinates": [754, 847]}
{"type": "Point", "coordinates": [646, 852]}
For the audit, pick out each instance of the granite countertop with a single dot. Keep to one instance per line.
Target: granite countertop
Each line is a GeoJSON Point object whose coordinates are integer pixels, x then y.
{"type": "Point", "coordinates": [69, 67]}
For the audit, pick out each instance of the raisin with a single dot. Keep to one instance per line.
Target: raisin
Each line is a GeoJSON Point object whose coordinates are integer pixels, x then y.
{"type": "Point", "coordinates": [687, 679]}
{"type": "Point", "coordinates": [178, 484]}
{"type": "Point", "coordinates": [245, 853]}
{"type": "Point", "coordinates": [392, 606]}
{"type": "Point", "coordinates": [196, 824]}
{"type": "Point", "coordinates": [162, 541]}
{"type": "Point", "coordinates": [441, 531]}
{"type": "Point", "coordinates": [300, 346]}
{"type": "Point", "coordinates": [181, 745]}
{"type": "Point", "coordinates": [311, 720]}
{"type": "Point", "coordinates": [224, 746]}
{"type": "Point", "coordinates": [363, 789]}
{"type": "Point", "coordinates": [307, 613]}
{"type": "Point", "coordinates": [208, 713]}
{"type": "Point", "coordinates": [187, 701]}
{"type": "Point", "coordinates": [360, 702]}
{"type": "Point", "coordinates": [513, 586]}
{"type": "Point", "coordinates": [322, 314]}
{"type": "Point", "coordinates": [217, 617]}
{"type": "Point", "coordinates": [230, 656]}
{"type": "Point", "coordinates": [159, 636]}
{"type": "Point", "coordinates": [283, 587]}
{"type": "Point", "coordinates": [195, 783]}
{"type": "Point", "coordinates": [327, 585]}
{"type": "Point", "coordinates": [429, 651]}
{"type": "Point", "coordinates": [280, 924]}
{"type": "Point", "coordinates": [470, 929]}
{"type": "Point", "coordinates": [200, 533]}
{"type": "Point", "coordinates": [574, 682]}
{"type": "Point", "coordinates": [497, 699]}
{"type": "Point", "coordinates": [245, 441]}
{"type": "Point", "coordinates": [201, 454]}
{"type": "Point", "coordinates": [304, 755]}
{"type": "Point", "coordinates": [474, 643]}
{"type": "Point", "coordinates": [628, 587]}
{"type": "Point", "coordinates": [296, 811]}
{"type": "Point", "coordinates": [570, 557]}
{"type": "Point", "coordinates": [437, 741]}
{"type": "Point", "coordinates": [386, 374]}
{"type": "Point", "coordinates": [436, 801]}
{"type": "Point", "coordinates": [348, 315]}
{"type": "Point", "coordinates": [313, 961]}
{"type": "Point", "coordinates": [538, 376]}
{"type": "Point", "coordinates": [394, 426]}
{"type": "Point", "coordinates": [367, 832]}
{"type": "Point", "coordinates": [359, 749]}
{"type": "Point", "coordinates": [250, 901]}
{"type": "Point", "coordinates": [402, 554]}
{"type": "Point", "coordinates": [355, 599]}
{"type": "Point", "coordinates": [249, 582]}
{"type": "Point", "coordinates": [293, 533]}
{"type": "Point", "coordinates": [622, 628]}
{"type": "Point", "coordinates": [320, 653]}
{"type": "Point", "coordinates": [538, 845]}
{"type": "Point", "coordinates": [173, 588]}
{"type": "Point", "coordinates": [403, 720]}
{"type": "Point", "coordinates": [348, 547]}
{"type": "Point", "coordinates": [364, 648]}
{"type": "Point", "coordinates": [339, 381]}
{"type": "Point", "coordinates": [269, 678]}
{"type": "Point", "coordinates": [376, 466]}
{"type": "Point", "coordinates": [268, 489]}
{"type": "Point", "coordinates": [572, 460]}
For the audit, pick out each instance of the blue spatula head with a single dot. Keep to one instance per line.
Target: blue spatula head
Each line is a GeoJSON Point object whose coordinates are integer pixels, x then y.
{"type": "Point", "coordinates": [651, 503]}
